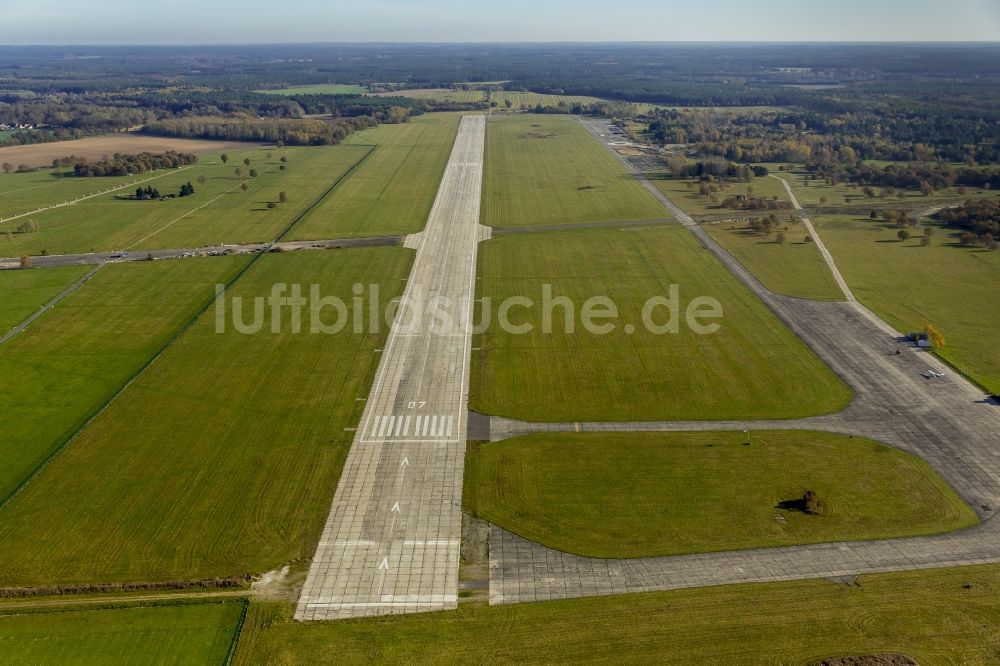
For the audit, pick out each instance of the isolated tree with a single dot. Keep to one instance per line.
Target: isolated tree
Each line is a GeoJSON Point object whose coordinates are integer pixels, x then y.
{"type": "Point", "coordinates": [811, 503]}
{"type": "Point", "coordinates": [935, 336]}
{"type": "Point", "coordinates": [925, 241]}
{"type": "Point", "coordinates": [243, 186]}
{"type": "Point", "coordinates": [282, 167]}
{"type": "Point", "coordinates": [873, 215]}
{"type": "Point", "coordinates": [284, 159]}
{"type": "Point", "coordinates": [253, 173]}
{"type": "Point", "coordinates": [202, 180]}
{"type": "Point", "coordinates": [7, 167]}
{"type": "Point", "coordinates": [780, 238]}
{"type": "Point", "coordinates": [246, 161]}
{"type": "Point", "coordinates": [239, 172]}
{"type": "Point", "coordinates": [279, 144]}
{"type": "Point", "coordinates": [903, 235]}
{"type": "Point", "coordinates": [271, 204]}
{"type": "Point", "coordinates": [225, 158]}
{"type": "Point", "coordinates": [822, 201]}
{"type": "Point", "coordinates": [282, 197]}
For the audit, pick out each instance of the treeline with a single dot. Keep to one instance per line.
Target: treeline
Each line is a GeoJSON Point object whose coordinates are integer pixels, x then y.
{"type": "Point", "coordinates": [127, 165]}
{"type": "Point", "coordinates": [268, 130]}
{"type": "Point", "coordinates": [925, 177]}
{"type": "Point", "coordinates": [980, 217]}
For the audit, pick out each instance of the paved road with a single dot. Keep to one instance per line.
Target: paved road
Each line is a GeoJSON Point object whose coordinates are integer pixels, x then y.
{"type": "Point", "coordinates": [392, 540]}
{"type": "Point", "coordinates": [49, 261]}
{"type": "Point", "coordinates": [825, 253]}
{"type": "Point", "coordinates": [945, 420]}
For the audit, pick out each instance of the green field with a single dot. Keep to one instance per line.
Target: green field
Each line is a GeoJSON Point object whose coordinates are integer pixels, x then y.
{"type": "Point", "coordinates": [218, 212]}
{"type": "Point", "coordinates": [392, 192]}
{"type": "Point", "coordinates": [22, 293]}
{"type": "Point", "coordinates": [752, 367]}
{"type": "Point", "coordinates": [23, 192]}
{"type": "Point", "coordinates": [928, 615]}
{"type": "Point", "coordinates": [73, 359]}
{"type": "Point", "coordinates": [684, 193]}
{"type": "Point", "coordinates": [319, 89]}
{"type": "Point", "coordinates": [795, 267]}
{"type": "Point", "coordinates": [221, 458]}
{"type": "Point", "coordinates": [909, 286]}
{"type": "Point", "coordinates": [183, 634]}
{"type": "Point", "coordinates": [649, 494]}
{"type": "Point", "coordinates": [544, 169]}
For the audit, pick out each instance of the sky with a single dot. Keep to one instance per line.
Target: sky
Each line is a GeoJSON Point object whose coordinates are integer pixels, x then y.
{"type": "Point", "coordinates": [262, 21]}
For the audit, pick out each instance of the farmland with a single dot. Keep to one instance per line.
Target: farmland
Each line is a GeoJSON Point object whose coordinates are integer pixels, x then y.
{"type": "Point", "coordinates": [393, 190]}
{"type": "Point", "coordinates": [543, 170]}
{"type": "Point", "coordinates": [794, 267]}
{"type": "Point", "coordinates": [650, 494]}
{"type": "Point", "coordinates": [24, 292]}
{"type": "Point", "coordinates": [96, 147]}
{"type": "Point", "coordinates": [219, 211]}
{"type": "Point", "coordinates": [935, 617]}
{"type": "Point", "coordinates": [752, 367]}
{"type": "Point", "coordinates": [73, 359]}
{"type": "Point", "coordinates": [207, 465]}
{"type": "Point", "coordinates": [175, 634]}
{"type": "Point", "coordinates": [910, 286]}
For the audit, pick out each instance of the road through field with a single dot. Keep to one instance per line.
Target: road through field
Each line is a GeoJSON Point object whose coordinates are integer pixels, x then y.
{"type": "Point", "coordinates": [392, 539]}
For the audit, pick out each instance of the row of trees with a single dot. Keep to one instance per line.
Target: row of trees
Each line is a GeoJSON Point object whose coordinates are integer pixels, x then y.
{"type": "Point", "coordinates": [287, 132]}
{"type": "Point", "coordinates": [924, 177]}
{"type": "Point", "coordinates": [126, 165]}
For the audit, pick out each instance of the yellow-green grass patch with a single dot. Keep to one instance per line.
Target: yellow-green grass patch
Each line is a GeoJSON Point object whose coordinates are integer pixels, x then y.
{"type": "Point", "coordinates": [752, 366]}
{"type": "Point", "coordinates": [547, 169]}
{"type": "Point", "coordinates": [651, 494]}
{"type": "Point", "coordinates": [392, 192]}
{"type": "Point", "coordinates": [73, 359]}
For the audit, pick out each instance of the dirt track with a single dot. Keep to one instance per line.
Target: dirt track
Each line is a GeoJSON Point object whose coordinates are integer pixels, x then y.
{"type": "Point", "coordinates": [95, 147]}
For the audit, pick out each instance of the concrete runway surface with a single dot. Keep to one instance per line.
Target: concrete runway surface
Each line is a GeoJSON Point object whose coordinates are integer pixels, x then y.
{"type": "Point", "coordinates": [392, 539]}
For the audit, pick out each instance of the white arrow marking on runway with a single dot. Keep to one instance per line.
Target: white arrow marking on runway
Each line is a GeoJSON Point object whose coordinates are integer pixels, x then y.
{"type": "Point", "coordinates": [395, 507]}
{"type": "Point", "coordinates": [406, 462]}
{"type": "Point", "coordinates": [385, 564]}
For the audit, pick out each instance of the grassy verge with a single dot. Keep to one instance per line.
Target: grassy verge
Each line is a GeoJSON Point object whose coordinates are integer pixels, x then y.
{"type": "Point", "coordinates": [935, 617]}
{"type": "Point", "coordinates": [794, 267]}
{"type": "Point", "coordinates": [544, 169]}
{"type": "Point", "coordinates": [393, 191]}
{"type": "Point", "coordinates": [751, 367]}
{"type": "Point", "coordinates": [172, 634]}
{"type": "Point", "coordinates": [650, 494]}
{"type": "Point", "coordinates": [944, 284]}
{"type": "Point", "coordinates": [220, 458]}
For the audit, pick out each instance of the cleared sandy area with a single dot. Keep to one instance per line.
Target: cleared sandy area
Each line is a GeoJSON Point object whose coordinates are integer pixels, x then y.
{"type": "Point", "coordinates": [95, 147]}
